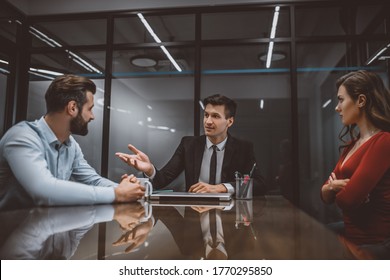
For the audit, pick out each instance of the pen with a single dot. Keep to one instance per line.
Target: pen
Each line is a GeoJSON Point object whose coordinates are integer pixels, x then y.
{"type": "Point", "coordinates": [253, 169]}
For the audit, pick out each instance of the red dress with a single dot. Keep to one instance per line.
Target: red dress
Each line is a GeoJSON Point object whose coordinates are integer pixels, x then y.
{"type": "Point", "coordinates": [365, 200]}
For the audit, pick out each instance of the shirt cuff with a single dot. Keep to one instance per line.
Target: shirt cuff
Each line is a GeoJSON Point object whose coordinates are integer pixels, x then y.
{"type": "Point", "coordinates": [153, 174]}
{"type": "Point", "coordinates": [104, 213]}
{"type": "Point", "coordinates": [229, 187]}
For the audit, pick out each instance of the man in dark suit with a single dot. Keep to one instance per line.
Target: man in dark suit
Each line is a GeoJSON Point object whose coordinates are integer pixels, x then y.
{"type": "Point", "coordinates": [210, 161]}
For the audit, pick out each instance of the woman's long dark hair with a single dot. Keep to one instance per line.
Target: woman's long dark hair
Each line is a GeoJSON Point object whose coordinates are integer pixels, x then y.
{"type": "Point", "coordinates": [377, 107]}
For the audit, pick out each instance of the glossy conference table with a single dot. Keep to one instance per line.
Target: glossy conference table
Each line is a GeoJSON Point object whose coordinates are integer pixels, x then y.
{"type": "Point", "coordinates": [263, 228]}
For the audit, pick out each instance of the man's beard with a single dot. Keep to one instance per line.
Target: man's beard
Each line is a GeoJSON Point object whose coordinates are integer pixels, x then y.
{"type": "Point", "coordinates": [78, 126]}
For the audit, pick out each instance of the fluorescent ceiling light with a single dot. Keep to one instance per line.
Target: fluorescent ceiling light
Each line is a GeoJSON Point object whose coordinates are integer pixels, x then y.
{"type": "Point", "coordinates": [261, 104]}
{"type": "Point", "coordinates": [327, 102]}
{"type": "Point", "coordinates": [275, 22]}
{"type": "Point", "coordinates": [41, 75]}
{"type": "Point", "coordinates": [201, 104]}
{"type": "Point", "coordinates": [171, 58]}
{"type": "Point", "coordinates": [43, 37]}
{"type": "Point", "coordinates": [4, 70]}
{"type": "Point", "coordinates": [83, 63]}
{"type": "Point", "coordinates": [162, 127]}
{"type": "Point", "coordinates": [3, 61]}
{"type": "Point", "coordinates": [269, 54]}
{"type": "Point", "coordinates": [272, 36]}
{"type": "Point", "coordinates": [43, 71]}
{"type": "Point", "coordinates": [149, 28]}
{"type": "Point", "coordinates": [53, 43]}
{"type": "Point", "coordinates": [377, 54]}
{"type": "Point", "coordinates": [157, 40]}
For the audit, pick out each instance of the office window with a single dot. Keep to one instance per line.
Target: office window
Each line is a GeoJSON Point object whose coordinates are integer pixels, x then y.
{"type": "Point", "coordinates": [151, 108]}
{"type": "Point", "coordinates": [8, 29]}
{"type": "Point", "coordinates": [367, 15]}
{"type": "Point", "coordinates": [40, 79]}
{"type": "Point", "coordinates": [263, 98]}
{"type": "Point", "coordinates": [244, 24]}
{"type": "Point", "coordinates": [169, 28]}
{"type": "Point", "coordinates": [321, 21]}
{"type": "Point", "coordinates": [90, 64]}
{"type": "Point", "coordinates": [69, 33]}
{"type": "Point", "coordinates": [319, 124]}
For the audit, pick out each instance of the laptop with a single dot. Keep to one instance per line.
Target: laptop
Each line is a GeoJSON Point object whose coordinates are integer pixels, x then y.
{"type": "Point", "coordinates": [187, 198]}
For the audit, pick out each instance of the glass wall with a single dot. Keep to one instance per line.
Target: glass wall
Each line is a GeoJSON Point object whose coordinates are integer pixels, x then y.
{"type": "Point", "coordinates": [262, 93]}
{"type": "Point", "coordinates": [155, 83]}
{"type": "Point", "coordinates": [254, 24]}
{"type": "Point", "coordinates": [45, 67]}
{"type": "Point", "coordinates": [317, 136]}
{"type": "Point", "coordinates": [263, 99]}
{"type": "Point", "coordinates": [69, 33]}
{"type": "Point", "coordinates": [4, 72]}
{"type": "Point", "coordinates": [169, 28]}
{"type": "Point", "coordinates": [319, 65]}
{"type": "Point", "coordinates": [152, 102]}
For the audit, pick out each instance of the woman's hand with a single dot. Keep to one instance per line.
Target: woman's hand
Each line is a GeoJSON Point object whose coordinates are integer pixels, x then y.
{"type": "Point", "coordinates": [335, 184]}
{"type": "Point", "coordinates": [332, 187]}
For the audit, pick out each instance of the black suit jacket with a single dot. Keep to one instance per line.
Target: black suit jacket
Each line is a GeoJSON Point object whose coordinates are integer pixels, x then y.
{"type": "Point", "coordinates": [239, 156]}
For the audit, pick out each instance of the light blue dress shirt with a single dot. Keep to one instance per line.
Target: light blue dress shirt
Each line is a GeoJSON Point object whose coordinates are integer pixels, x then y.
{"type": "Point", "coordinates": [53, 232]}
{"type": "Point", "coordinates": [36, 169]}
{"type": "Point", "coordinates": [205, 167]}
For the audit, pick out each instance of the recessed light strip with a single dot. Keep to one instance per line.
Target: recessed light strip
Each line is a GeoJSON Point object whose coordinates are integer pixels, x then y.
{"type": "Point", "coordinates": [275, 22]}
{"type": "Point", "coordinates": [53, 43]}
{"type": "Point", "coordinates": [149, 28]}
{"type": "Point", "coordinates": [272, 36]}
{"type": "Point", "coordinates": [327, 102]}
{"type": "Point", "coordinates": [269, 54]}
{"type": "Point", "coordinates": [157, 40]}
{"type": "Point", "coordinates": [40, 75]}
{"type": "Point", "coordinates": [378, 54]}
{"type": "Point", "coordinates": [4, 71]}
{"type": "Point", "coordinates": [171, 58]}
{"type": "Point", "coordinates": [54, 73]}
{"type": "Point", "coordinates": [261, 104]}
{"type": "Point", "coordinates": [43, 37]}
{"type": "Point", "coordinates": [83, 63]}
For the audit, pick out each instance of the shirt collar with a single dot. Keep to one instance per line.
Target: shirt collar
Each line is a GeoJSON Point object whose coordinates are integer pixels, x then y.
{"type": "Point", "coordinates": [220, 146]}
{"type": "Point", "coordinates": [48, 134]}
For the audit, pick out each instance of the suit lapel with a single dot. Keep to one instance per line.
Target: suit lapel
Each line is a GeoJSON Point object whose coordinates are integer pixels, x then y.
{"type": "Point", "coordinates": [227, 158]}
{"type": "Point", "coordinates": [198, 156]}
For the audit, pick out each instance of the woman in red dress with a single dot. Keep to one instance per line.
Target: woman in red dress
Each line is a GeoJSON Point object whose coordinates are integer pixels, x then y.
{"type": "Point", "coordinates": [360, 182]}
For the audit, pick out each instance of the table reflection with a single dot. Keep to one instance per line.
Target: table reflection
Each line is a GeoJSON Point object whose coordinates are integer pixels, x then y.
{"type": "Point", "coordinates": [262, 228]}
{"type": "Point", "coordinates": [56, 232]}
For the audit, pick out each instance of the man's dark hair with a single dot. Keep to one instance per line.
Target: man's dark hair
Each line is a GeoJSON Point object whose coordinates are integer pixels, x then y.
{"type": "Point", "coordinates": [217, 99]}
{"type": "Point", "coordinates": [68, 88]}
